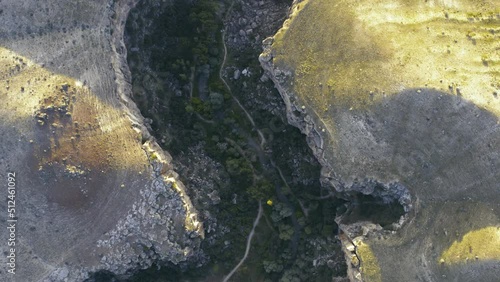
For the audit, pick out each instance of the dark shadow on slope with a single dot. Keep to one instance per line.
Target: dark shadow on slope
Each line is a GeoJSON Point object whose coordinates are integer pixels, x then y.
{"type": "Point", "coordinates": [369, 208]}
{"type": "Point", "coordinates": [445, 150]}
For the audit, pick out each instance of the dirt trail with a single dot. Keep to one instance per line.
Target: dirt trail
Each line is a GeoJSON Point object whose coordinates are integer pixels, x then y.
{"type": "Point", "coordinates": [249, 243]}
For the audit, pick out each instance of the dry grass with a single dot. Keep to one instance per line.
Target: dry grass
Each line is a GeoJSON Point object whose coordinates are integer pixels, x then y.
{"type": "Point", "coordinates": [369, 264]}
{"type": "Point", "coordinates": [481, 244]}
{"type": "Point", "coordinates": [69, 124]}
{"type": "Point", "coordinates": [342, 51]}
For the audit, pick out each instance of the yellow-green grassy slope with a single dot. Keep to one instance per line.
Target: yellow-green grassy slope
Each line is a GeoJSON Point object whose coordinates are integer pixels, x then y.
{"type": "Point", "coordinates": [341, 51]}
{"type": "Point", "coordinates": [407, 92]}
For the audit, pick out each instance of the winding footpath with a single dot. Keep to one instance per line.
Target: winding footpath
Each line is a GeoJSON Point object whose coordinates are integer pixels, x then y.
{"type": "Point", "coordinates": [249, 243]}
{"type": "Point", "coordinates": [249, 117]}
{"type": "Point", "coordinates": [262, 142]}
{"type": "Point", "coordinates": [262, 156]}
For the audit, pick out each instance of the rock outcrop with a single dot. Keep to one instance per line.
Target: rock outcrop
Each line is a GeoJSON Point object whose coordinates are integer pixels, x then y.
{"type": "Point", "coordinates": [94, 191]}
{"type": "Point", "coordinates": [399, 100]}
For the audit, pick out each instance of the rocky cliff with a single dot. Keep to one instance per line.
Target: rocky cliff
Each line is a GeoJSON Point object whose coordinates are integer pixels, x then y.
{"type": "Point", "coordinates": [93, 190]}
{"type": "Point", "coordinates": [399, 100]}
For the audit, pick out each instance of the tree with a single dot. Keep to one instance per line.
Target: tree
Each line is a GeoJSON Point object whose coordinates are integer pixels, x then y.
{"type": "Point", "coordinates": [240, 170]}
{"type": "Point", "coordinates": [280, 211]}
{"type": "Point", "coordinates": [286, 231]}
{"type": "Point", "coordinates": [216, 100]}
{"type": "Point", "coordinates": [262, 190]}
{"type": "Point", "coordinates": [272, 266]}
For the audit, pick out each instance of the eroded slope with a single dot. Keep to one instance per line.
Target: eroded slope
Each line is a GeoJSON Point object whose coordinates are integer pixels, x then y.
{"type": "Point", "coordinates": [94, 190]}
{"type": "Point", "coordinates": [402, 92]}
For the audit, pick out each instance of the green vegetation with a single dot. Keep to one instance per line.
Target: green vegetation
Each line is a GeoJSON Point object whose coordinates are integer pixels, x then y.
{"type": "Point", "coordinates": [216, 100]}
{"type": "Point", "coordinates": [281, 250]}
{"type": "Point", "coordinates": [261, 190]}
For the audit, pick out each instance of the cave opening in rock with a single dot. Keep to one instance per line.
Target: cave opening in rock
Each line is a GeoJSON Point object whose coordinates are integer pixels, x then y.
{"type": "Point", "coordinates": [376, 207]}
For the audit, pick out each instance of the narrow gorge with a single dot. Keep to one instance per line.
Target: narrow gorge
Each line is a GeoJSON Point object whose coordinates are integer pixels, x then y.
{"type": "Point", "coordinates": [249, 140]}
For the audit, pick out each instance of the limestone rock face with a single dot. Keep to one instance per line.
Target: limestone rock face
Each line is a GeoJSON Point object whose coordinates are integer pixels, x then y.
{"type": "Point", "coordinates": [93, 189]}
{"type": "Point", "coordinates": [403, 94]}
